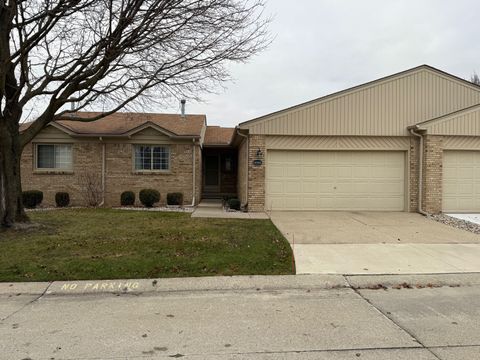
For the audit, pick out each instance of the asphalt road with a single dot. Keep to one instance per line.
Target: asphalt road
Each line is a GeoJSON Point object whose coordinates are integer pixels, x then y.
{"type": "Point", "coordinates": [306, 317]}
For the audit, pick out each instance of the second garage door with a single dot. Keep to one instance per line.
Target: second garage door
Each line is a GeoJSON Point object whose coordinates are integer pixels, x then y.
{"type": "Point", "coordinates": [461, 181]}
{"type": "Point", "coordinates": [335, 180]}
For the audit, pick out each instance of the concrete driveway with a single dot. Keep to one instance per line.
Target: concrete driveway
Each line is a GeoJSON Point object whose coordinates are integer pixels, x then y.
{"type": "Point", "coordinates": [376, 243]}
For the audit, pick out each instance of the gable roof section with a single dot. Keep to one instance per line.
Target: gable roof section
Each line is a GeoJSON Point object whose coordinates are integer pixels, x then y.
{"type": "Point", "coordinates": [465, 122]}
{"type": "Point", "coordinates": [126, 124]}
{"type": "Point", "coordinates": [218, 136]}
{"type": "Point", "coordinates": [384, 107]}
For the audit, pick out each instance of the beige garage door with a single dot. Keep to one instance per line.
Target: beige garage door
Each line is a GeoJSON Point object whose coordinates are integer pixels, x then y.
{"type": "Point", "coordinates": [461, 181]}
{"type": "Point", "coordinates": [335, 180]}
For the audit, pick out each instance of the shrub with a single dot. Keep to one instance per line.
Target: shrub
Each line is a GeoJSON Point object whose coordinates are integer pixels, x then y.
{"type": "Point", "coordinates": [234, 204]}
{"type": "Point", "coordinates": [32, 198]}
{"type": "Point", "coordinates": [226, 198]}
{"type": "Point", "coordinates": [175, 198]}
{"type": "Point", "coordinates": [148, 197]}
{"type": "Point", "coordinates": [91, 187]}
{"type": "Point", "coordinates": [62, 199]}
{"type": "Point", "coordinates": [127, 198]}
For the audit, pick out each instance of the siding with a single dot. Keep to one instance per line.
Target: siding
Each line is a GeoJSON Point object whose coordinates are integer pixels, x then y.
{"type": "Point", "coordinates": [339, 143]}
{"type": "Point", "coordinates": [461, 143]}
{"type": "Point", "coordinates": [53, 135]}
{"type": "Point", "coordinates": [382, 108]}
{"type": "Point", "coordinates": [465, 123]}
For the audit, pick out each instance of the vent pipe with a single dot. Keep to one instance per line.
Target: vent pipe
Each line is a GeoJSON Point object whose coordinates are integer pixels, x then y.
{"type": "Point", "coordinates": [182, 106]}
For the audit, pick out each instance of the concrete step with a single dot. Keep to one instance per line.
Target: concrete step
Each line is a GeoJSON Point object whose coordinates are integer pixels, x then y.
{"type": "Point", "coordinates": [210, 203]}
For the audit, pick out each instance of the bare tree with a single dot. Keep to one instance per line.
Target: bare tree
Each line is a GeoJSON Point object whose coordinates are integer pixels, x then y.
{"type": "Point", "coordinates": [475, 79]}
{"type": "Point", "coordinates": [63, 56]}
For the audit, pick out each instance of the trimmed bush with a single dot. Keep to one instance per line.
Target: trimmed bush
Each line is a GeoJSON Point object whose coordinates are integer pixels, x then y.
{"type": "Point", "coordinates": [127, 198]}
{"type": "Point", "coordinates": [32, 198]}
{"type": "Point", "coordinates": [148, 197]}
{"type": "Point", "coordinates": [62, 199]}
{"type": "Point", "coordinates": [234, 204]}
{"type": "Point", "coordinates": [175, 198]}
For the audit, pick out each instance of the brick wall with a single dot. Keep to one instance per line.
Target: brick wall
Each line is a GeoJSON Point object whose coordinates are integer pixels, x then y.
{"type": "Point", "coordinates": [256, 174]}
{"type": "Point", "coordinates": [413, 174]}
{"type": "Point", "coordinates": [432, 174]}
{"type": "Point", "coordinates": [120, 175]}
{"type": "Point", "coordinates": [85, 156]}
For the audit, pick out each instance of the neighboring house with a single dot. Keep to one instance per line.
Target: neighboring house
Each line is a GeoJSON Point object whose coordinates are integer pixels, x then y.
{"type": "Point", "coordinates": [356, 149]}
{"type": "Point", "coordinates": [359, 149]}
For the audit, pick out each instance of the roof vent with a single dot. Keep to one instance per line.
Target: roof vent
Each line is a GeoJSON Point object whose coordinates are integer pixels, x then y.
{"type": "Point", "coordinates": [182, 106]}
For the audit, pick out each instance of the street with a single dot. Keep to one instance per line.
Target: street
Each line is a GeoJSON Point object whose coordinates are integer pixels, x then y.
{"type": "Point", "coordinates": [291, 317]}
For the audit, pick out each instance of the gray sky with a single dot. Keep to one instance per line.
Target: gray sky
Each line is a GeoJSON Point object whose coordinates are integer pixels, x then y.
{"type": "Point", "coordinates": [323, 46]}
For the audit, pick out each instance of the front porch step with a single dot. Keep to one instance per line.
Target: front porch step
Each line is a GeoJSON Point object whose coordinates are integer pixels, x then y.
{"type": "Point", "coordinates": [210, 203]}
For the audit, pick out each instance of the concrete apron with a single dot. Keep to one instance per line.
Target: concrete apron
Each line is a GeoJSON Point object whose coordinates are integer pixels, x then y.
{"type": "Point", "coordinates": [350, 259]}
{"type": "Point", "coordinates": [376, 243]}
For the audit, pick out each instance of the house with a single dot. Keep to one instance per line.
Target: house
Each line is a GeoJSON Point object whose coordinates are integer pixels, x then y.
{"type": "Point", "coordinates": [131, 152]}
{"type": "Point", "coordinates": [406, 142]}
{"type": "Point", "coordinates": [361, 149]}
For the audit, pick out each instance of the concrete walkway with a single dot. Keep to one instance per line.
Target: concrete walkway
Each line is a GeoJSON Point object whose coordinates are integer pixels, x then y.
{"type": "Point", "coordinates": [376, 243]}
{"type": "Point", "coordinates": [214, 209]}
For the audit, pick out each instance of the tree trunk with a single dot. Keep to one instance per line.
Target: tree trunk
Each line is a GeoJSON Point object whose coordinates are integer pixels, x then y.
{"type": "Point", "coordinates": [11, 206]}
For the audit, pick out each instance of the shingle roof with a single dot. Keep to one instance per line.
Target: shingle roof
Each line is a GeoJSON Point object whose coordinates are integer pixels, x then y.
{"type": "Point", "coordinates": [216, 135]}
{"type": "Point", "coordinates": [122, 123]}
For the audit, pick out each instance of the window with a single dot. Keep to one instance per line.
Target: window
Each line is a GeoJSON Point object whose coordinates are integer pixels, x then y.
{"type": "Point", "coordinates": [152, 158]}
{"type": "Point", "coordinates": [54, 156]}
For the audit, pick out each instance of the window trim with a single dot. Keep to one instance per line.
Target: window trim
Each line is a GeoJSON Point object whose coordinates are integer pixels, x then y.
{"type": "Point", "coordinates": [58, 170]}
{"type": "Point", "coordinates": [151, 170]}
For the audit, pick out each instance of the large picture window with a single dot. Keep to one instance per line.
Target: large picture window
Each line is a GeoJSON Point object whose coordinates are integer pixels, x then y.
{"type": "Point", "coordinates": [152, 158]}
{"type": "Point", "coordinates": [54, 156]}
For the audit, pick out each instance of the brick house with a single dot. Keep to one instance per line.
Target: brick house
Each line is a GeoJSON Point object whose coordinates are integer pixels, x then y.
{"type": "Point", "coordinates": [406, 142]}
{"type": "Point", "coordinates": [129, 152]}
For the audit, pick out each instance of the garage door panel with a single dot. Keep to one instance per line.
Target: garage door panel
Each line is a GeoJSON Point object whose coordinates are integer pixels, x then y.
{"type": "Point", "coordinates": [310, 171]}
{"type": "Point", "coordinates": [310, 187]}
{"type": "Point", "coordinates": [276, 187]}
{"type": "Point", "coordinates": [336, 180]}
{"type": "Point", "coordinates": [461, 181]}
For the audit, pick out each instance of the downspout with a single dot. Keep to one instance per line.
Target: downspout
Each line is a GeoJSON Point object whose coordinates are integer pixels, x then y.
{"type": "Point", "coordinates": [246, 164]}
{"type": "Point", "coordinates": [420, 170]}
{"type": "Point", "coordinates": [103, 173]}
{"type": "Point", "coordinates": [193, 176]}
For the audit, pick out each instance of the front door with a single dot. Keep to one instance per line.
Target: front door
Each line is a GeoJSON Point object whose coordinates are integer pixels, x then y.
{"type": "Point", "coordinates": [212, 173]}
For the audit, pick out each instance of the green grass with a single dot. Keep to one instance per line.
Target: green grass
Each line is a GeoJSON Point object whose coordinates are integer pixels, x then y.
{"type": "Point", "coordinates": [114, 244]}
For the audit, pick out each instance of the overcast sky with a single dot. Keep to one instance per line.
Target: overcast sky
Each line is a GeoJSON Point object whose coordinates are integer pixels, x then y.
{"type": "Point", "coordinates": [323, 46]}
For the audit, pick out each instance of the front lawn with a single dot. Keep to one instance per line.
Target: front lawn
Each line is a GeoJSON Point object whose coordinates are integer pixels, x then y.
{"type": "Point", "coordinates": [115, 244]}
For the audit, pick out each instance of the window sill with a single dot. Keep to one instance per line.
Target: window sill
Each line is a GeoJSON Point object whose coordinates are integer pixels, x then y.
{"type": "Point", "coordinates": [152, 172]}
{"type": "Point", "coordinates": [52, 172]}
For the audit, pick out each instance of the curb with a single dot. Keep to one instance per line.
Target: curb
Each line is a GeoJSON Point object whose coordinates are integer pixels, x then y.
{"type": "Point", "coordinates": [237, 283]}
{"type": "Point", "coordinates": [414, 280]}
{"type": "Point", "coordinates": [168, 285]}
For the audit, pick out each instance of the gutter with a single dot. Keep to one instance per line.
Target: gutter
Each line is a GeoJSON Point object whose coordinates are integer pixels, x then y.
{"type": "Point", "coordinates": [413, 130]}
{"type": "Point", "coordinates": [246, 164]}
